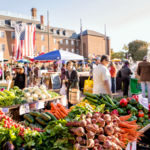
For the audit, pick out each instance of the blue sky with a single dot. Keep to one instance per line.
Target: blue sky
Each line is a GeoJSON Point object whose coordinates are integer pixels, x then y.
{"type": "Point", "coordinates": [126, 20]}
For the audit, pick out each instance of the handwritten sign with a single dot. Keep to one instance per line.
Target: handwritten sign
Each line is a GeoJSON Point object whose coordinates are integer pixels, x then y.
{"type": "Point", "coordinates": [24, 109]}
{"type": "Point", "coordinates": [55, 81]}
{"type": "Point", "coordinates": [39, 105]}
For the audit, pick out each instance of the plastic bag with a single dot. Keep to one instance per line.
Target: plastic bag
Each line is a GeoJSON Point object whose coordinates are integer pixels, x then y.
{"type": "Point", "coordinates": [88, 86]}
{"type": "Point", "coordinates": [63, 90]}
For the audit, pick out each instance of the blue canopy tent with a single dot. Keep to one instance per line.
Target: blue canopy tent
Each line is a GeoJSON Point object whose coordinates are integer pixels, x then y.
{"type": "Point", "coordinates": [80, 62]}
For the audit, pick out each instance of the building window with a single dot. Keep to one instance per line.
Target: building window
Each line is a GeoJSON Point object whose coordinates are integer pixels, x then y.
{"type": "Point", "coordinates": [2, 22]}
{"type": "Point", "coordinates": [43, 48]}
{"type": "Point", "coordinates": [43, 28]}
{"type": "Point", "coordinates": [1, 34]}
{"type": "Point", "coordinates": [72, 42]}
{"type": "Point", "coordinates": [67, 49]}
{"type": "Point", "coordinates": [66, 33]}
{"type": "Point", "coordinates": [2, 47]}
{"type": "Point", "coordinates": [72, 50]}
{"type": "Point", "coordinates": [13, 35]}
{"type": "Point", "coordinates": [42, 37]}
{"type": "Point", "coordinates": [13, 47]}
{"type": "Point", "coordinates": [66, 42]}
{"type": "Point", "coordinates": [13, 23]}
{"type": "Point", "coordinates": [54, 49]}
{"type": "Point", "coordinates": [55, 41]}
{"type": "Point", "coordinates": [77, 51]}
{"type": "Point", "coordinates": [61, 41]}
{"type": "Point", "coordinates": [54, 31]}
{"type": "Point", "coordinates": [76, 43]}
{"type": "Point", "coordinates": [60, 32]}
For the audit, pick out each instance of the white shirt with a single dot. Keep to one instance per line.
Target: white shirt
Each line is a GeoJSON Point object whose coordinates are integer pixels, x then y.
{"type": "Point", "coordinates": [100, 74]}
{"type": "Point", "coordinates": [25, 68]}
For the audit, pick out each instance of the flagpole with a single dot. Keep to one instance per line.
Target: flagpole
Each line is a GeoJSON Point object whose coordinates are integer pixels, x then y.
{"type": "Point", "coordinates": [48, 30]}
{"type": "Point", "coordinates": [105, 39]}
{"type": "Point", "coordinates": [81, 37]}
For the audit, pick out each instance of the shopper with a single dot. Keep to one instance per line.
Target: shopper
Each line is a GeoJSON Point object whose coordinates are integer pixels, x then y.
{"type": "Point", "coordinates": [71, 76]}
{"type": "Point", "coordinates": [19, 77]}
{"type": "Point", "coordinates": [112, 70]}
{"type": "Point", "coordinates": [102, 77]}
{"type": "Point", "coordinates": [6, 72]}
{"type": "Point", "coordinates": [43, 67]}
{"type": "Point", "coordinates": [27, 74]}
{"type": "Point", "coordinates": [97, 60]}
{"type": "Point", "coordinates": [8, 146]}
{"type": "Point", "coordinates": [143, 71]}
{"type": "Point", "coordinates": [63, 73]}
{"type": "Point", "coordinates": [126, 75]}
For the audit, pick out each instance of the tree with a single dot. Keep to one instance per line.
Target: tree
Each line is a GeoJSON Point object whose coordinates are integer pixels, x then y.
{"type": "Point", "coordinates": [118, 55]}
{"type": "Point", "coordinates": [125, 47]}
{"type": "Point", "coordinates": [136, 48]}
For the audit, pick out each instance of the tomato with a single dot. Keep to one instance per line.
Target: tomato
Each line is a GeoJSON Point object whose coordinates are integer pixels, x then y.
{"type": "Point", "coordinates": [141, 113]}
{"type": "Point", "coordinates": [136, 97]}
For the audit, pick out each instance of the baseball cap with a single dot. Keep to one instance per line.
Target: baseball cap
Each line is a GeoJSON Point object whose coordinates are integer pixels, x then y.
{"type": "Point", "coordinates": [98, 58]}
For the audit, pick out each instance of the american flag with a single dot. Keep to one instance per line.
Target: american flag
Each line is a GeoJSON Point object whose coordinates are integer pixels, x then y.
{"type": "Point", "coordinates": [24, 40]}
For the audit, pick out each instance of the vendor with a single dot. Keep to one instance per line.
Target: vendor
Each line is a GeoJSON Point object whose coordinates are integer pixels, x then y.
{"type": "Point", "coordinates": [71, 75]}
{"type": "Point", "coordinates": [19, 77]}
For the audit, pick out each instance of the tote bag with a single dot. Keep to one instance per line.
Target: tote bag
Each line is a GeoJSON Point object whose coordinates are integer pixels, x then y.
{"type": "Point", "coordinates": [88, 86]}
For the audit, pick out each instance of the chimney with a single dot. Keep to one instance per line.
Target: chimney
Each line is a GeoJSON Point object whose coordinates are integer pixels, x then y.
{"type": "Point", "coordinates": [33, 11]}
{"type": "Point", "coordinates": [42, 19]}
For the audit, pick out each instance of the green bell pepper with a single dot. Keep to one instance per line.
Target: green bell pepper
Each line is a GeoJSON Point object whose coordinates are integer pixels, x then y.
{"type": "Point", "coordinates": [145, 117]}
{"type": "Point", "coordinates": [117, 104]}
{"type": "Point", "coordinates": [145, 111]}
{"type": "Point", "coordinates": [141, 119]}
{"type": "Point", "coordinates": [134, 117]}
{"type": "Point", "coordinates": [129, 106]}
{"type": "Point", "coordinates": [133, 111]}
{"type": "Point", "coordinates": [139, 106]}
{"type": "Point", "coordinates": [145, 123]}
{"type": "Point", "coordinates": [131, 119]}
{"type": "Point", "coordinates": [120, 111]}
{"type": "Point", "coordinates": [139, 123]}
{"type": "Point", "coordinates": [133, 102]}
{"type": "Point", "coordinates": [149, 120]}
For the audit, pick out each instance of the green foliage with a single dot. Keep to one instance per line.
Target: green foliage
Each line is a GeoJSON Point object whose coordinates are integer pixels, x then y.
{"type": "Point", "coordinates": [118, 55]}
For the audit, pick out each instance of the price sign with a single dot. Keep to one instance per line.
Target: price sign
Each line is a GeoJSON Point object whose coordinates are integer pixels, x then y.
{"type": "Point", "coordinates": [39, 105]}
{"type": "Point", "coordinates": [24, 109]}
{"type": "Point", "coordinates": [32, 106]}
{"type": "Point", "coordinates": [5, 110]}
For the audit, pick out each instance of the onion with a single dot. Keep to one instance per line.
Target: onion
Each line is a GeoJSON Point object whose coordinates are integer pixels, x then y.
{"type": "Point", "coordinates": [109, 130]}
{"type": "Point", "coordinates": [80, 131]}
{"type": "Point", "coordinates": [84, 148]}
{"type": "Point", "coordinates": [73, 130]}
{"type": "Point", "coordinates": [89, 115]}
{"type": "Point", "coordinates": [96, 141]}
{"type": "Point", "coordinates": [95, 128]}
{"type": "Point", "coordinates": [106, 116]}
{"type": "Point", "coordinates": [115, 118]}
{"type": "Point", "coordinates": [93, 120]}
{"type": "Point", "coordinates": [83, 142]}
{"type": "Point", "coordinates": [90, 135]}
{"type": "Point", "coordinates": [79, 139]}
{"type": "Point", "coordinates": [96, 115]}
{"type": "Point", "coordinates": [116, 141]}
{"type": "Point", "coordinates": [90, 143]}
{"type": "Point", "coordinates": [100, 147]}
{"type": "Point", "coordinates": [82, 117]}
{"type": "Point", "coordinates": [115, 124]}
{"type": "Point", "coordinates": [82, 123]}
{"type": "Point", "coordinates": [101, 138]}
{"type": "Point", "coordinates": [100, 131]}
{"type": "Point", "coordinates": [94, 148]}
{"type": "Point", "coordinates": [100, 122]}
{"type": "Point", "coordinates": [89, 127]}
{"type": "Point", "coordinates": [77, 146]}
{"type": "Point", "coordinates": [88, 121]}
{"type": "Point", "coordinates": [107, 144]}
{"type": "Point", "coordinates": [109, 138]}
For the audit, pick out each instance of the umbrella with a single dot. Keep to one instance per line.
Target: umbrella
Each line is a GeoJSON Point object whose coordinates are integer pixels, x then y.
{"type": "Point", "coordinates": [60, 62]}
{"type": "Point", "coordinates": [23, 61]}
{"type": "Point", "coordinates": [114, 60]}
{"type": "Point", "coordinates": [59, 55]}
{"type": "Point", "coordinates": [81, 62]}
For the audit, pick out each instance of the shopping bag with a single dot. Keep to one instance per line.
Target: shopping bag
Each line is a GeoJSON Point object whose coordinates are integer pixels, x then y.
{"type": "Point", "coordinates": [63, 90]}
{"type": "Point", "coordinates": [74, 93]}
{"type": "Point", "coordinates": [88, 86]}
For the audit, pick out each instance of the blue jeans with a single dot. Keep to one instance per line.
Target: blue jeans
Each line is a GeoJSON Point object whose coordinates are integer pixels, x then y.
{"type": "Point", "coordinates": [113, 85]}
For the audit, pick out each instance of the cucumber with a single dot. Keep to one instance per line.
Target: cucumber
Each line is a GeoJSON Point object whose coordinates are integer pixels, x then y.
{"type": "Point", "coordinates": [52, 116]}
{"type": "Point", "coordinates": [32, 126]}
{"type": "Point", "coordinates": [41, 121]}
{"type": "Point", "coordinates": [38, 125]}
{"type": "Point", "coordinates": [35, 114]}
{"type": "Point", "coordinates": [25, 123]}
{"type": "Point", "coordinates": [29, 118]}
{"type": "Point", "coordinates": [90, 95]}
{"type": "Point", "coordinates": [45, 117]}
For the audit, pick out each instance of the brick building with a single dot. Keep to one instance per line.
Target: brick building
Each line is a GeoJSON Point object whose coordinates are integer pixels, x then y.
{"type": "Point", "coordinates": [59, 38]}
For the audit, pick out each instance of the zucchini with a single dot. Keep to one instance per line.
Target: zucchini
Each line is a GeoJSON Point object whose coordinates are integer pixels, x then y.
{"type": "Point", "coordinates": [41, 121]}
{"type": "Point", "coordinates": [106, 103]}
{"type": "Point", "coordinates": [25, 123]}
{"type": "Point", "coordinates": [29, 118]}
{"type": "Point", "coordinates": [90, 95]}
{"type": "Point", "coordinates": [38, 125]}
{"type": "Point", "coordinates": [32, 126]}
{"type": "Point", "coordinates": [110, 100]}
{"type": "Point", "coordinates": [45, 117]}
{"type": "Point", "coordinates": [91, 99]}
{"type": "Point", "coordinates": [52, 116]}
{"type": "Point", "coordinates": [35, 114]}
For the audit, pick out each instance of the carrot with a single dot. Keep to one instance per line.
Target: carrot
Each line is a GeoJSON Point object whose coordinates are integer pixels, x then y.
{"type": "Point", "coordinates": [62, 114]}
{"type": "Point", "coordinates": [53, 106]}
{"type": "Point", "coordinates": [59, 105]}
{"type": "Point", "coordinates": [56, 116]}
{"type": "Point", "coordinates": [123, 118]}
{"type": "Point", "coordinates": [64, 110]}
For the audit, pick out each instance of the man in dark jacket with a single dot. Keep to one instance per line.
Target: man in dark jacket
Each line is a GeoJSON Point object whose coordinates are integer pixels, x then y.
{"type": "Point", "coordinates": [126, 75]}
{"type": "Point", "coordinates": [143, 71]}
{"type": "Point", "coordinates": [27, 74]}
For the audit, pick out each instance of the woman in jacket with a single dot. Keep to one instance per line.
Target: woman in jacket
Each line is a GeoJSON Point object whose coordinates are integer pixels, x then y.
{"type": "Point", "coordinates": [71, 76]}
{"type": "Point", "coordinates": [112, 70]}
{"type": "Point", "coordinates": [19, 77]}
{"type": "Point", "coordinates": [126, 75]}
{"type": "Point", "coordinates": [63, 73]}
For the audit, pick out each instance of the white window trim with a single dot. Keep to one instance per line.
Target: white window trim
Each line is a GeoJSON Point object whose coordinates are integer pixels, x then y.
{"type": "Point", "coordinates": [72, 50]}
{"type": "Point", "coordinates": [72, 42]}
{"type": "Point", "coordinates": [12, 34]}
{"type": "Point", "coordinates": [1, 34]}
{"type": "Point", "coordinates": [67, 49]}
{"type": "Point", "coordinates": [77, 51]}
{"type": "Point", "coordinates": [1, 47]}
{"type": "Point", "coordinates": [42, 38]}
{"type": "Point", "coordinates": [2, 23]}
{"type": "Point", "coordinates": [55, 49]}
{"type": "Point", "coordinates": [43, 28]}
{"type": "Point", "coordinates": [61, 41]}
{"type": "Point", "coordinates": [55, 41]}
{"type": "Point", "coordinates": [13, 23]}
{"type": "Point", "coordinates": [42, 48]}
{"type": "Point", "coordinates": [77, 43]}
{"type": "Point", "coordinates": [67, 42]}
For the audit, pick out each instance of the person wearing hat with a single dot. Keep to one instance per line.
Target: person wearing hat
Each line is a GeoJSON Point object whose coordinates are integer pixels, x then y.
{"type": "Point", "coordinates": [6, 71]}
{"type": "Point", "coordinates": [19, 77]}
{"type": "Point", "coordinates": [97, 60]}
{"type": "Point", "coordinates": [126, 75]}
{"type": "Point", "coordinates": [27, 71]}
{"type": "Point", "coordinates": [143, 71]}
